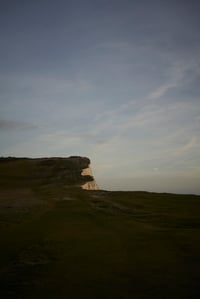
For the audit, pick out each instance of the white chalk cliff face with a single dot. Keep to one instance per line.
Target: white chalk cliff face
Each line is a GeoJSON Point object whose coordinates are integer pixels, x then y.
{"type": "Point", "coordinates": [91, 185]}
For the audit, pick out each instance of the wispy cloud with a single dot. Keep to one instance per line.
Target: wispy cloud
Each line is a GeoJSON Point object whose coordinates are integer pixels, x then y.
{"type": "Point", "coordinates": [161, 90]}
{"type": "Point", "coordinates": [176, 75]}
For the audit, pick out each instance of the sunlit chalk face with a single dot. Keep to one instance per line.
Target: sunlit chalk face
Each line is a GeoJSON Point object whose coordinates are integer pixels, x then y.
{"type": "Point", "coordinates": [91, 185]}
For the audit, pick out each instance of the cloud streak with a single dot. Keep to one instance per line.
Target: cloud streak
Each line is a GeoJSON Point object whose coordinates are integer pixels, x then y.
{"type": "Point", "coordinates": [15, 125]}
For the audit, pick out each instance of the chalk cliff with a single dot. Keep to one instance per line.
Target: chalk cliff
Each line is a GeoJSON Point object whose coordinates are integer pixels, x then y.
{"type": "Point", "coordinates": [91, 185]}
{"type": "Point", "coordinates": [73, 171]}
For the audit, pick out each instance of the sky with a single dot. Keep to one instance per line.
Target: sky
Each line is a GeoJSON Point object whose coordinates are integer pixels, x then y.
{"type": "Point", "coordinates": [117, 81]}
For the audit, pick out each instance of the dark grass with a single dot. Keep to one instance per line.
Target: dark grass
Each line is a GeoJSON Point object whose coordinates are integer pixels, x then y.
{"type": "Point", "coordinates": [58, 241]}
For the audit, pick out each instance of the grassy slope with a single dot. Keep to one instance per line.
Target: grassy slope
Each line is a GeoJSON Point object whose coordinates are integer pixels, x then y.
{"type": "Point", "coordinates": [58, 241]}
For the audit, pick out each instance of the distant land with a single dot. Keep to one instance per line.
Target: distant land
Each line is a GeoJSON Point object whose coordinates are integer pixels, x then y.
{"type": "Point", "coordinates": [63, 237]}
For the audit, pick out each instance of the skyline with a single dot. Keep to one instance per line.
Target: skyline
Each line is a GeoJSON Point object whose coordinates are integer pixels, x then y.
{"type": "Point", "coordinates": [116, 81]}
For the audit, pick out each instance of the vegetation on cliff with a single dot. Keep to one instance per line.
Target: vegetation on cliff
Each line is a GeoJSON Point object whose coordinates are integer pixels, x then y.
{"type": "Point", "coordinates": [59, 241]}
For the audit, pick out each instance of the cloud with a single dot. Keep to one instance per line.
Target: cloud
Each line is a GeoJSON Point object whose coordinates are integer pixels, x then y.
{"type": "Point", "coordinates": [161, 91]}
{"type": "Point", "coordinates": [180, 71]}
{"type": "Point", "coordinates": [13, 125]}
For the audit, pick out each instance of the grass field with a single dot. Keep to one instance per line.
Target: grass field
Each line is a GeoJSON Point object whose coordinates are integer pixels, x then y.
{"type": "Point", "coordinates": [58, 241]}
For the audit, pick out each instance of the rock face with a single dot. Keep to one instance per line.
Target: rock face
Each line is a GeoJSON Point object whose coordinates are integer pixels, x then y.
{"type": "Point", "coordinates": [91, 185]}
{"type": "Point", "coordinates": [87, 178]}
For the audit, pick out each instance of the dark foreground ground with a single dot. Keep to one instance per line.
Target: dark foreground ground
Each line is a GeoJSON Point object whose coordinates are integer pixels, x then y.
{"type": "Point", "coordinates": [58, 241]}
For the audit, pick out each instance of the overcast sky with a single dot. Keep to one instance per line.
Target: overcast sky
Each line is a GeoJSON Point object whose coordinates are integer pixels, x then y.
{"type": "Point", "coordinates": [116, 81]}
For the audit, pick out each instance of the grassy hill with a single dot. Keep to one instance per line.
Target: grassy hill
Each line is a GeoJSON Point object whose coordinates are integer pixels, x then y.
{"type": "Point", "coordinates": [58, 241]}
